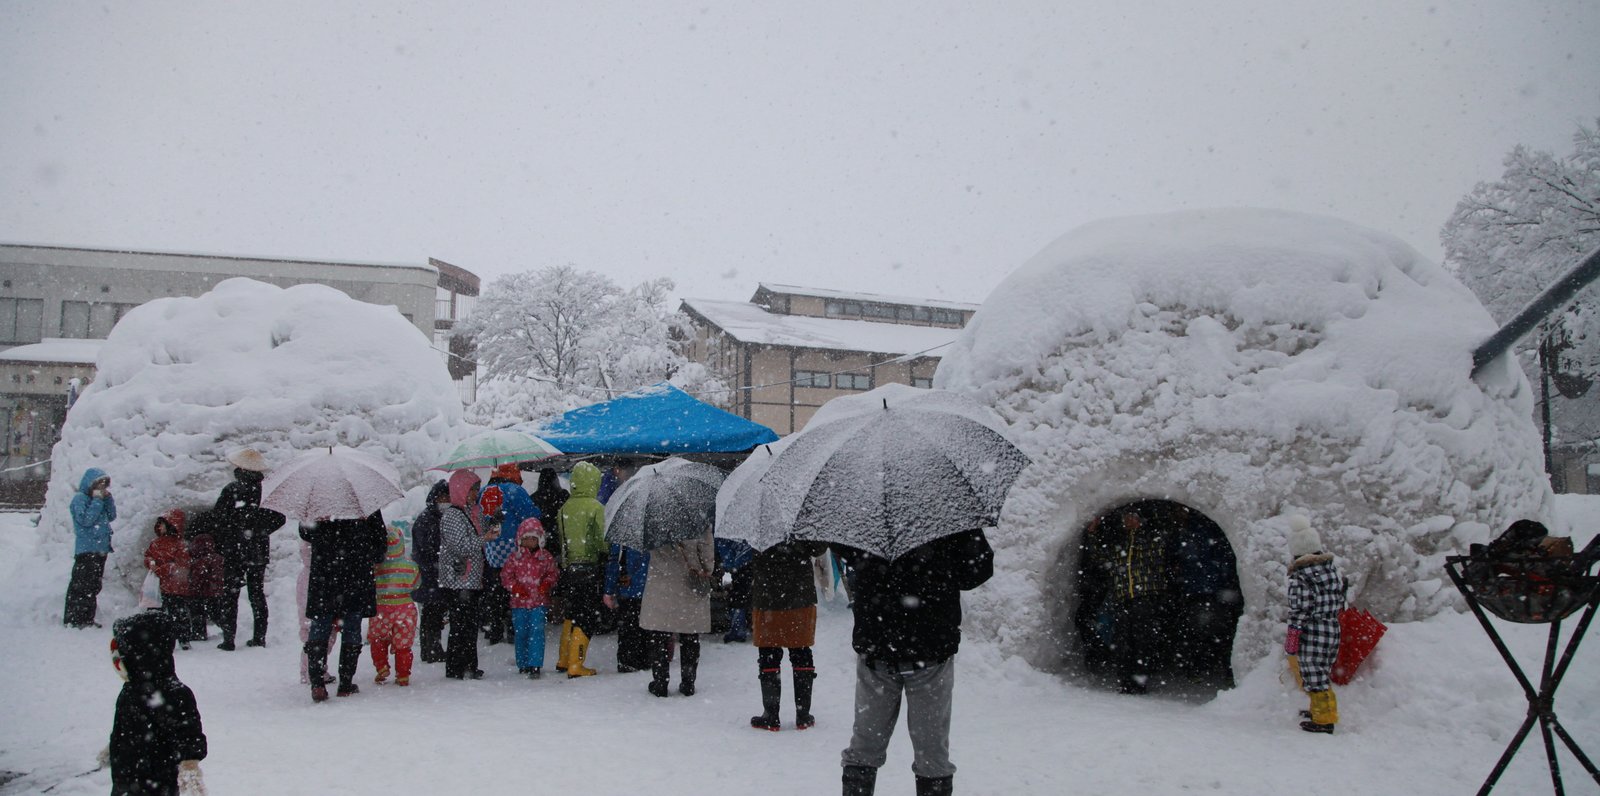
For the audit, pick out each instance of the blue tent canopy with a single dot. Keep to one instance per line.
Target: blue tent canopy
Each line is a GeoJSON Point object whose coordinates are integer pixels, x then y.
{"type": "Point", "coordinates": [657, 420]}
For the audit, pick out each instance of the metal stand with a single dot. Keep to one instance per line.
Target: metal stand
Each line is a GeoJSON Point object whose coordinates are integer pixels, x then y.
{"type": "Point", "coordinates": [1541, 702]}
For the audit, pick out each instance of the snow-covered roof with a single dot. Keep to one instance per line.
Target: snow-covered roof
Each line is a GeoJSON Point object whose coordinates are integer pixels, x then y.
{"type": "Point", "coordinates": [749, 323]}
{"type": "Point", "coordinates": [880, 298]}
{"type": "Point", "coordinates": [55, 349]}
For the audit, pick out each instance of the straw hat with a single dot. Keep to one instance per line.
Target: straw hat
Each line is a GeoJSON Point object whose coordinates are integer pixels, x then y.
{"type": "Point", "coordinates": [248, 459]}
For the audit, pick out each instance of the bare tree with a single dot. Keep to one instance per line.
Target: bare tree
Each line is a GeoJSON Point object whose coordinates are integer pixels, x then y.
{"type": "Point", "coordinates": [1512, 238]}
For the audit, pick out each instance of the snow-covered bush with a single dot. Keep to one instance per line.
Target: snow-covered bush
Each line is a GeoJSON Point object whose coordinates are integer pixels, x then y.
{"type": "Point", "coordinates": [181, 382]}
{"type": "Point", "coordinates": [1249, 364]}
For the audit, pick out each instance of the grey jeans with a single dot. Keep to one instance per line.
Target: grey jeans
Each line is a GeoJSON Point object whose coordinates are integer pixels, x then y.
{"type": "Point", "coordinates": [927, 693]}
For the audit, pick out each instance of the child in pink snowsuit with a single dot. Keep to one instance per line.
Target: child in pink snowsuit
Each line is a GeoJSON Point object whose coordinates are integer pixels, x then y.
{"type": "Point", "coordinates": [529, 574]}
{"type": "Point", "coordinates": [396, 623]}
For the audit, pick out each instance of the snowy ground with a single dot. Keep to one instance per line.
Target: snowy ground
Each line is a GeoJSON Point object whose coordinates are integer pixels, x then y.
{"type": "Point", "coordinates": [1429, 716]}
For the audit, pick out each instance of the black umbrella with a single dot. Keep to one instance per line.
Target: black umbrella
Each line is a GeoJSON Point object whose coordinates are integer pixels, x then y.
{"type": "Point", "coordinates": [662, 504]}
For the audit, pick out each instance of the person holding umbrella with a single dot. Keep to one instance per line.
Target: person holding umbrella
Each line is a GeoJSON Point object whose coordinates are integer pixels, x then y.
{"type": "Point", "coordinates": [907, 632]}
{"type": "Point", "coordinates": [901, 481]}
{"type": "Point", "coordinates": [341, 586]}
{"type": "Point", "coordinates": [461, 564]}
{"type": "Point", "coordinates": [677, 606]}
{"type": "Point", "coordinates": [783, 599]}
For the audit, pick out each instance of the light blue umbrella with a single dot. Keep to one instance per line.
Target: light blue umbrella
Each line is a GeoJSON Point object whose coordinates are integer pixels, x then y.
{"type": "Point", "coordinates": [496, 447]}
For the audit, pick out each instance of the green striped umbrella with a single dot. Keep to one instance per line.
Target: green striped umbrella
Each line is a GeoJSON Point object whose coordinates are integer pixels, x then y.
{"type": "Point", "coordinates": [493, 448]}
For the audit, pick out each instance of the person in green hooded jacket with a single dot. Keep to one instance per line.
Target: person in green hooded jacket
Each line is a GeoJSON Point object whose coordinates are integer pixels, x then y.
{"type": "Point", "coordinates": [582, 525]}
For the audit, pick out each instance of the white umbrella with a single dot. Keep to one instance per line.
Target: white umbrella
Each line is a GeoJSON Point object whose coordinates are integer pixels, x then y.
{"type": "Point", "coordinates": [336, 483]}
{"type": "Point", "coordinates": [748, 511]}
{"type": "Point", "coordinates": [663, 503]}
{"type": "Point", "coordinates": [891, 469]}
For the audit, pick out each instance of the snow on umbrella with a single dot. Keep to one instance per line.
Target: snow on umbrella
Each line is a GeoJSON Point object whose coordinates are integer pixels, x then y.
{"type": "Point", "coordinates": [496, 447]}
{"type": "Point", "coordinates": [891, 469]}
{"type": "Point", "coordinates": [662, 504]}
{"type": "Point", "coordinates": [746, 509]}
{"type": "Point", "coordinates": [331, 483]}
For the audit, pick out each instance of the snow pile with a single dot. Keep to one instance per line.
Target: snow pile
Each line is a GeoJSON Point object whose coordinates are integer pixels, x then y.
{"type": "Point", "coordinates": [1249, 364]}
{"type": "Point", "coordinates": [183, 381]}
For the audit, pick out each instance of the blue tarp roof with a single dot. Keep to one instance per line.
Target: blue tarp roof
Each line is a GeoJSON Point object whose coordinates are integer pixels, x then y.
{"type": "Point", "coordinates": [659, 419]}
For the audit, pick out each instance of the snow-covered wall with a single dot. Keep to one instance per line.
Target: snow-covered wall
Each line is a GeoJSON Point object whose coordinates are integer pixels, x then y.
{"type": "Point", "coordinates": [183, 381]}
{"type": "Point", "coordinates": [1249, 364]}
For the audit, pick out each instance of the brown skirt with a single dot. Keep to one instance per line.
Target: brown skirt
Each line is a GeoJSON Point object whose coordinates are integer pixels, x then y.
{"type": "Point", "coordinates": [796, 627]}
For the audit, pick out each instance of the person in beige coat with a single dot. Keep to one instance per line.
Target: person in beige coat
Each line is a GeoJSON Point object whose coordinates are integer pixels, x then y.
{"type": "Point", "coordinates": [677, 603]}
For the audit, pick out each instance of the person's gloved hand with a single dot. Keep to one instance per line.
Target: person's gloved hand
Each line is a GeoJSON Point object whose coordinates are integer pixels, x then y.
{"type": "Point", "coordinates": [189, 780]}
{"type": "Point", "coordinates": [610, 601]}
{"type": "Point", "coordinates": [1291, 641]}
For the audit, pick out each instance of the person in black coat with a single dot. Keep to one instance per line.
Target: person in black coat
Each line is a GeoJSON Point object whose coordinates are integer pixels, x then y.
{"type": "Point", "coordinates": [907, 632]}
{"type": "Point", "coordinates": [156, 728]}
{"type": "Point", "coordinates": [549, 497]}
{"type": "Point", "coordinates": [340, 586]}
{"type": "Point", "coordinates": [243, 534]}
{"type": "Point", "coordinates": [425, 551]}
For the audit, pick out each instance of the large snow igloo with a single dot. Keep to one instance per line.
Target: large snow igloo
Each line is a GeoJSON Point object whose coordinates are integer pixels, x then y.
{"type": "Point", "coordinates": [1245, 365]}
{"type": "Point", "coordinates": [184, 381]}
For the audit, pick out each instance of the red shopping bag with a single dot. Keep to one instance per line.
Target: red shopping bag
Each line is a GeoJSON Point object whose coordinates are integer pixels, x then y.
{"type": "Point", "coordinates": [1359, 632]}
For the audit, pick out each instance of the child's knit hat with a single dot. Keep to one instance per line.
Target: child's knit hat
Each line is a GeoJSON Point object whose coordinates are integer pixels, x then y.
{"type": "Point", "coordinates": [1303, 540]}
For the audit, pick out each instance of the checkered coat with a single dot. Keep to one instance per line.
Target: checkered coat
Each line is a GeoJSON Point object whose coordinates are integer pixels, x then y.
{"type": "Point", "coordinates": [1316, 596]}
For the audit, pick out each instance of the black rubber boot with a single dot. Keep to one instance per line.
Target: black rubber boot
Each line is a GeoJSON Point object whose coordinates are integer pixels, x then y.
{"type": "Point", "coordinates": [860, 780]}
{"type": "Point", "coordinates": [688, 663]}
{"type": "Point", "coordinates": [803, 719]}
{"type": "Point", "coordinates": [317, 669]}
{"type": "Point", "coordinates": [349, 657]}
{"type": "Point", "coordinates": [771, 696]}
{"type": "Point", "coordinates": [935, 786]}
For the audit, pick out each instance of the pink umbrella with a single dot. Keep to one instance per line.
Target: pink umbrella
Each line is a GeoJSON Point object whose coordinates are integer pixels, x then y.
{"type": "Point", "coordinates": [331, 483]}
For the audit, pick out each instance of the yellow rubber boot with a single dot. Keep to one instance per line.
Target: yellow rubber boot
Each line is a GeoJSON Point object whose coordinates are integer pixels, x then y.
{"type": "Point", "coordinates": [1324, 707]}
{"type": "Point", "coordinates": [580, 649]}
{"type": "Point", "coordinates": [565, 653]}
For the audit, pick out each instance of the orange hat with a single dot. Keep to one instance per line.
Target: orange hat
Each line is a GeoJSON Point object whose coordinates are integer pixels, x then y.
{"type": "Point", "coordinates": [510, 472]}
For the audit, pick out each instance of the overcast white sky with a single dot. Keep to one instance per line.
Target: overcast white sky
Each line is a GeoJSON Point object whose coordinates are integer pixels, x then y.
{"type": "Point", "coordinates": [901, 147]}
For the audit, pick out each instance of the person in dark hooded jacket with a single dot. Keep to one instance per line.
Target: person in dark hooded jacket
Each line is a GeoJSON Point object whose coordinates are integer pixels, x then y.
{"type": "Point", "coordinates": [243, 532]}
{"type": "Point", "coordinates": [156, 729]}
{"type": "Point", "coordinates": [341, 586]}
{"type": "Point", "coordinates": [907, 632]}
{"type": "Point", "coordinates": [425, 551]}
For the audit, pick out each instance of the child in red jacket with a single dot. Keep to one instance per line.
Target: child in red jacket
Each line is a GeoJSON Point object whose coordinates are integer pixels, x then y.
{"type": "Point", "coordinates": [205, 582]}
{"type": "Point", "coordinates": [168, 558]}
{"type": "Point", "coordinates": [529, 574]}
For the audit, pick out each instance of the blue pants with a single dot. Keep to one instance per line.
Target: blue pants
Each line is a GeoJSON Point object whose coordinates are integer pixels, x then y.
{"type": "Point", "coordinates": [529, 626]}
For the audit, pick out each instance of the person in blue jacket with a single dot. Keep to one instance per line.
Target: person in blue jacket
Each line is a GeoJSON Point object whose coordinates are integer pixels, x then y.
{"type": "Point", "coordinates": [626, 569]}
{"type": "Point", "coordinates": [92, 509]}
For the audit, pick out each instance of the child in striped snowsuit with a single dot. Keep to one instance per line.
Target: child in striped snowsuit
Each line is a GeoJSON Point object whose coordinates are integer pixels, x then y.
{"type": "Point", "coordinates": [396, 623]}
{"type": "Point", "coordinates": [1316, 596]}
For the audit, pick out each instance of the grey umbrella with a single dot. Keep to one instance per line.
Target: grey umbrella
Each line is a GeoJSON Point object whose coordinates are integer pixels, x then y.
{"type": "Point", "coordinates": [747, 510]}
{"type": "Point", "coordinates": [663, 503]}
{"type": "Point", "coordinates": [891, 469]}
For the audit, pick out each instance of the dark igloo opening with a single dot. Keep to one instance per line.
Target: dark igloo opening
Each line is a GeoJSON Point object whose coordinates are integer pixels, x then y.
{"type": "Point", "coordinates": [1158, 599]}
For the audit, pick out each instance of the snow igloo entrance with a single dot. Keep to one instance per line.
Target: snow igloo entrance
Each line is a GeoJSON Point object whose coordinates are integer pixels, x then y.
{"type": "Point", "coordinates": [1158, 598]}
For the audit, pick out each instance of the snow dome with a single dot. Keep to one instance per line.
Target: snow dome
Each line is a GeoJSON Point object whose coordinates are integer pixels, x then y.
{"type": "Point", "coordinates": [181, 382]}
{"type": "Point", "coordinates": [1240, 366]}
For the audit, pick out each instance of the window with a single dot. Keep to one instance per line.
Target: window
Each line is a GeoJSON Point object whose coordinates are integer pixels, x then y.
{"type": "Point", "coordinates": [922, 382]}
{"type": "Point", "coordinates": [946, 316]}
{"type": "Point", "coordinates": [853, 381]}
{"type": "Point", "coordinates": [87, 319]}
{"type": "Point", "coordinates": [21, 320]}
{"type": "Point", "coordinates": [813, 378]}
{"type": "Point", "coordinates": [843, 309]}
{"type": "Point", "coordinates": [877, 310]}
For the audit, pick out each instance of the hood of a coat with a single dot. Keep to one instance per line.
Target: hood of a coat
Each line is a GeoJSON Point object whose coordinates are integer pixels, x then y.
{"type": "Point", "coordinates": [440, 488]}
{"type": "Point", "coordinates": [397, 545]}
{"type": "Point", "coordinates": [175, 519]}
{"type": "Point", "coordinates": [145, 641]}
{"type": "Point", "coordinates": [90, 476]}
{"type": "Point", "coordinates": [530, 527]}
{"type": "Point", "coordinates": [585, 480]}
{"type": "Point", "coordinates": [461, 484]}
